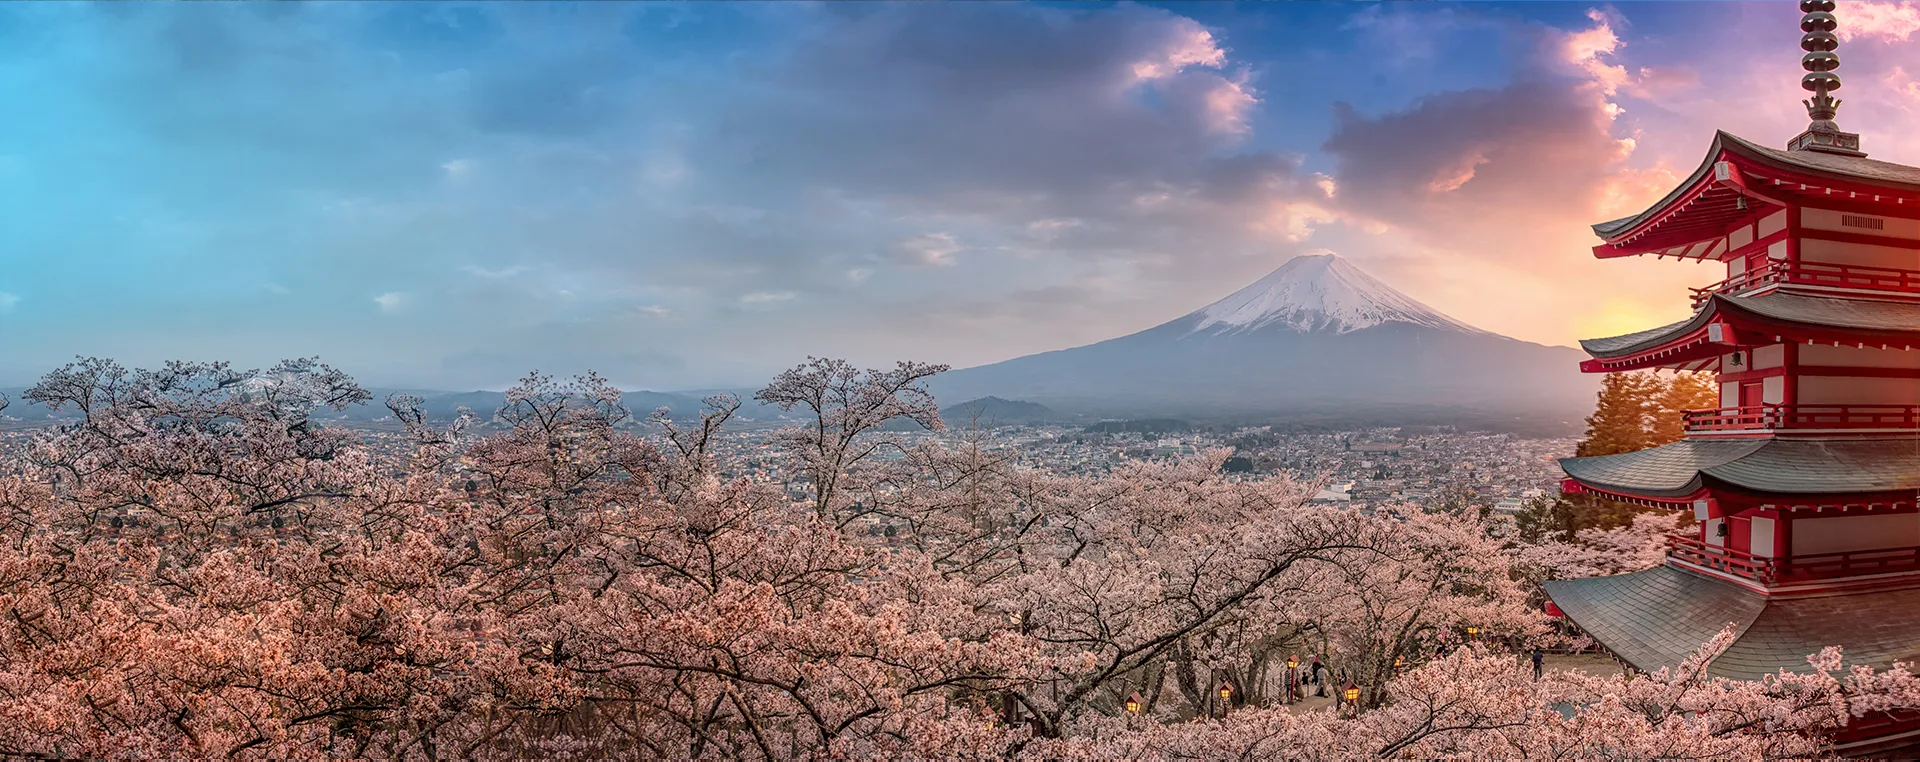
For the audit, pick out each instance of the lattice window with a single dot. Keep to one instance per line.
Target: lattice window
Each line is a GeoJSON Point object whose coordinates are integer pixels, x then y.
{"type": "Point", "coordinates": [1857, 221]}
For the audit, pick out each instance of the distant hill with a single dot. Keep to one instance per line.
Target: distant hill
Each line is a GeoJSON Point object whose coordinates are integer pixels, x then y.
{"type": "Point", "coordinates": [994, 411]}
{"type": "Point", "coordinates": [1142, 426]}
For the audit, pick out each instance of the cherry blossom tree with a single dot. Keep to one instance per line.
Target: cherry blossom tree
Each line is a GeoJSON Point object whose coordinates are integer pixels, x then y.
{"type": "Point", "coordinates": [848, 407]}
{"type": "Point", "coordinates": [198, 566]}
{"type": "Point", "coordinates": [1641, 544]}
{"type": "Point", "coordinates": [1476, 703]}
{"type": "Point", "coordinates": [1420, 586]}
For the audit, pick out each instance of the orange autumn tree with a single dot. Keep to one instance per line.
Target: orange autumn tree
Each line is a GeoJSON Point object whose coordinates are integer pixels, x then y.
{"type": "Point", "coordinates": [1633, 411]}
{"type": "Point", "coordinates": [1683, 392]}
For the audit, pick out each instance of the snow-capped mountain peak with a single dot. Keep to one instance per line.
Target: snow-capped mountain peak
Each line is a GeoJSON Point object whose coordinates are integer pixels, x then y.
{"type": "Point", "coordinates": [1315, 293]}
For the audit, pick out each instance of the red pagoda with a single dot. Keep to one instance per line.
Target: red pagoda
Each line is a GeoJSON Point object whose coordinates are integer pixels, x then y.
{"type": "Point", "coordinates": [1804, 480]}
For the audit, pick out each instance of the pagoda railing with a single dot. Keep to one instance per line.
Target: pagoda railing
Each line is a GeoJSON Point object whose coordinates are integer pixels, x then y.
{"type": "Point", "coordinates": [1778, 417]}
{"type": "Point", "coordinates": [1798, 568]}
{"type": "Point", "coordinates": [1815, 274]}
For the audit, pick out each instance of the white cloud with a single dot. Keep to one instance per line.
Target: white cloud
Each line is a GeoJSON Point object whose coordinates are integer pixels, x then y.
{"type": "Point", "coordinates": [391, 302]}
{"type": "Point", "coordinates": [458, 168]}
{"type": "Point", "coordinates": [763, 298]}
{"type": "Point", "coordinates": [504, 272]}
{"type": "Point", "coordinates": [929, 250]}
{"type": "Point", "coordinates": [275, 288]}
{"type": "Point", "coordinates": [665, 170]}
{"type": "Point", "coordinates": [7, 301]}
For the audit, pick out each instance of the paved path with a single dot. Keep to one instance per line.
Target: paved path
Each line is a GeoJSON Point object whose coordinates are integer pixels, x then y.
{"type": "Point", "coordinates": [1590, 663]}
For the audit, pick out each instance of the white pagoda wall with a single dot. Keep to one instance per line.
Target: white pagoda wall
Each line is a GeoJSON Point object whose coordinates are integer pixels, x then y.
{"type": "Point", "coordinates": [1841, 390]}
{"type": "Point", "coordinates": [1760, 539]}
{"type": "Point", "coordinates": [1829, 219]}
{"type": "Point", "coordinates": [1827, 354]}
{"type": "Point", "coordinates": [1772, 390]}
{"type": "Point", "coordinates": [1852, 390]}
{"type": "Point", "coordinates": [1844, 533]}
{"type": "Point", "coordinates": [1861, 254]}
{"type": "Point", "coordinates": [1747, 234]}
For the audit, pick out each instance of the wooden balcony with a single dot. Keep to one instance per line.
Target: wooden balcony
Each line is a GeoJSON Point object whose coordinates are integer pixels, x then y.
{"type": "Point", "coordinates": [1816, 274]}
{"type": "Point", "coordinates": [1775, 418]}
{"type": "Point", "coordinates": [1792, 568]}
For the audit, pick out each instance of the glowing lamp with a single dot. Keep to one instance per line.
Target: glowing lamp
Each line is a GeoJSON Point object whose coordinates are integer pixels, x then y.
{"type": "Point", "coordinates": [1352, 692]}
{"type": "Point", "coordinates": [1133, 703]}
{"type": "Point", "coordinates": [1293, 661]}
{"type": "Point", "coordinates": [1226, 692]}
{"type": "Point", "coordinates": [1472, 631]}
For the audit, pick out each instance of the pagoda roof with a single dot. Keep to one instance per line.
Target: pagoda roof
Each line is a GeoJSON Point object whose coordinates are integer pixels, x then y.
{"type": "Point", "coordinates": [1628, 343]}
{"type": "Point", "coordinates": [1899, 178]}
{"type": "Point", "coordinates": [1764, 466]}
{"type": "Point", "coordinates": [1805, 316]}
{"type": "Point", "coordinates": [1658, 617]}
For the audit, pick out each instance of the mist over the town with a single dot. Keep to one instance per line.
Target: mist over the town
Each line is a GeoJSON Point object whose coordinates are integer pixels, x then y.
{"type": "Point", "coordinates": [968, 380]}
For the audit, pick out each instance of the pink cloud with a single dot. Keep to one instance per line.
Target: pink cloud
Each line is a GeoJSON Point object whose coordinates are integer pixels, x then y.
{"type": "Point", "coordinates": [1228, 104]}
{"type": "Point", "coordinates": [1583, 49]}
{"type": "Point", "coordinates": [1627, 190]}
{"type": "Point", "coordinates": [1451, 178]}
{"type": "Point", "coordinates": [1660, 82]}
{"type": "Point", "coordinates": [1188, 46]}
{"type": "Point", "coordinates": [1902, 83]}
{"type": "Point", "coordinates": [1892, 21]}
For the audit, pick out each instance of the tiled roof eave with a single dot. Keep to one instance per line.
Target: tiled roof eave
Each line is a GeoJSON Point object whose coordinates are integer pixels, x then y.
{"type": "Point", "coordinates": [1672, 495]}
{"type": "Point", "coordinates": [1799, 468]}
{"type": "Point", "coordinates": [1613, 228]}
{"type": "Point", "coordinates": [1658, 617]}
{"type": "Point", "coordinates": [1806, 318]}
{"type": "Point", "coordinates": [1610, 347]}
{"type": "Point", "coordinates": [1898, 179]}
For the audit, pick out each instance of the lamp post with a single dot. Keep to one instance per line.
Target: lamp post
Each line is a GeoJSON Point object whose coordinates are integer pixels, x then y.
{"type": "Point", "coordinates": [1293, 675]}
{"type": "Point", "coordinates": [1226, 698]}
{"type": "Point", "coordinates": [1352, 694]}
{"type": "Point", "coordinates": [1134, 705]}
{"type": "Point", "coordinates": [1472, 631]}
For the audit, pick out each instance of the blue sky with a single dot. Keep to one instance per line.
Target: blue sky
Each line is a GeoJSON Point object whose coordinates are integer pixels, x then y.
{"type": "Point", "coordinates": [683, 195]}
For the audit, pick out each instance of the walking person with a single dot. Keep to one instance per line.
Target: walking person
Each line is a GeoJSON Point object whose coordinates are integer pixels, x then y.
{"type": "Point", "coordinates": [1539, 662]}
{"type": "Point", "coordinates": [1319, 677]}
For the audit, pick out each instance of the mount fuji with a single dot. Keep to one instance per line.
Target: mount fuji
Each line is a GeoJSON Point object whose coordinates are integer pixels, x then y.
{"type": "Point", "coordinates": [1317, 337]}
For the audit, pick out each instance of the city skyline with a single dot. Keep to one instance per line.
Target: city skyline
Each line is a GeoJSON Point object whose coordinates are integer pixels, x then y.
{"type": "Point", "coordinates": [688, 196]}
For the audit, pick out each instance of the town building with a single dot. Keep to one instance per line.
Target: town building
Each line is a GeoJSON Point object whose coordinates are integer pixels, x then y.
{"type": "Point", "coordinates": [1804, 479]}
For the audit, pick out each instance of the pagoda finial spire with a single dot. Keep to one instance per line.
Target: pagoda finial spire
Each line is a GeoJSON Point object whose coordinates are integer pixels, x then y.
{"type": "Point", "coordinates": [1820, 62]}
